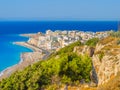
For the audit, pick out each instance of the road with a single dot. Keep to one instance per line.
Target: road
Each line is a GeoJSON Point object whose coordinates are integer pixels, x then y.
{"type": "Point", "coordinates": [35, 48]}
{"type": "Point", "coordinates": [47, 53]}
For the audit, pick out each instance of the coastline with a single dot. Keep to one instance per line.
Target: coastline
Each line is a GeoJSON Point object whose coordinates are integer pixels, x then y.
{"type": "Point", "coordinates": [25, 59]}
{"type": "Point", "coordinates": [28, 35]}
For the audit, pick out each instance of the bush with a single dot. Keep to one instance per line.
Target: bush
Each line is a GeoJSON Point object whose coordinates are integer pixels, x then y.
{"type": "Point", "coordinates": [101, 55]}
{"type": "Point", "coordinates": [92, 42]}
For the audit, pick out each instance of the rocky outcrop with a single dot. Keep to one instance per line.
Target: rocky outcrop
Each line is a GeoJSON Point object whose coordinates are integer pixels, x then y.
{"type": "Point", "coordinates": [81, 50]}
{"type": "Point", "coordinates": [99, 47]}
{"type": "Point", "coordinates": [105, 60]}
{"type": "Point", "coordinates": [106, 66]}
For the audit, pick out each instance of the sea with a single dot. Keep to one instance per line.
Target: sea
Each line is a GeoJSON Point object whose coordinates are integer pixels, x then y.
{"type": "Point", "coordinates": [10, 32]}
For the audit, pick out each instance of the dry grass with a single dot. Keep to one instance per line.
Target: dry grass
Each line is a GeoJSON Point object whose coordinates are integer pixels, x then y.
{"type": "Point", "coordinates": [79, 87]}
{"type": "Point", "coordinates": [112, 49]}
{"type": "Point", "coordinates": [111, 46]}
{"type": "Point", "coordinates": [107, 40]}
{"type": "Point", "coordinates": [113, 84]}
{"type": "Point", "coordinates": [82, 88]}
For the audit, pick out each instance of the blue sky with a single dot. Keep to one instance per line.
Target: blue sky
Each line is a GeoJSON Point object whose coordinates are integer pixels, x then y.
{"type": "Point", "coordinates": [59, 10]}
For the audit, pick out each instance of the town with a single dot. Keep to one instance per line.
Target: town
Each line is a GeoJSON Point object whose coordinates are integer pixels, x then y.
{"type": "Point", "coordinates": [54, 40]}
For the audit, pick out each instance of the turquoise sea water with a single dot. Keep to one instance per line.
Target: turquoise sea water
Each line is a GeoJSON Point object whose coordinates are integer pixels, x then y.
{"type": "Point", "coordinates": [10, 53]}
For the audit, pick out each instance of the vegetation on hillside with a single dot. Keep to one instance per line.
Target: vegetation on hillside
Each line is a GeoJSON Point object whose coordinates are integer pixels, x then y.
{"type": "Point", "coordinates": [63, 67]}
{"type": "Point", "coordinates": [92, 42]}
{"type": "Point", "coordinates": [66, 49]}
{"type": "Point", "coordinates": [69, 48]}
{"type": "Point", "coordinates": [107, 40]}
{"type": "Point", "coordinates": [115, 34]}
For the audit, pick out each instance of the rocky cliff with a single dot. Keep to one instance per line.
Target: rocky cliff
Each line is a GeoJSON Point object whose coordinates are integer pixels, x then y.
{"type": "Point", "coordinates": [105, 58]}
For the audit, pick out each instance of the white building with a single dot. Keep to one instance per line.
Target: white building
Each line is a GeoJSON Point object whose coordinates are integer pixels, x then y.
{"type": "Point", "coordinates": [49, 32]}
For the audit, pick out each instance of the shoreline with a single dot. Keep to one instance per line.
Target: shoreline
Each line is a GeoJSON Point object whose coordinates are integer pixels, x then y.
{"type": "Point", "coordinates": [2, 72]}
{"type": "Point", "coordinates": [21, 59]}
{"type": "Point", "coordinates": [24, 59]}
{"type": "Point", "coordinates": [18, 43]}
{"type": "Point", "coordinates": [28, 35]}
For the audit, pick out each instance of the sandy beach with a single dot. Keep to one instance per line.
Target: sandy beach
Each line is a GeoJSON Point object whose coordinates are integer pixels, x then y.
{"type": "Point", "coordinates": [28, 35]}
{"type": "Point", "coordinates": [26, 59]}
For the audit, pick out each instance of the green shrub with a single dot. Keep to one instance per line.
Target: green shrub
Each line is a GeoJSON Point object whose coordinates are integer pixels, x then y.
{"type": "Point", "coordinates": [101, 55]}
{"type": "Point", "coordinates": [92, 42]}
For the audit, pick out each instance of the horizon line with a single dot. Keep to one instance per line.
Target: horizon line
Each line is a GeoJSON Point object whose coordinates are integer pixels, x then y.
{"type": "Point", "coordinates": [57, 20]}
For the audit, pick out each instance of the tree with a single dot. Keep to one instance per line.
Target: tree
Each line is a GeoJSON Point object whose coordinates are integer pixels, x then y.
{"type": "Point", "coordinates": [92, 42]}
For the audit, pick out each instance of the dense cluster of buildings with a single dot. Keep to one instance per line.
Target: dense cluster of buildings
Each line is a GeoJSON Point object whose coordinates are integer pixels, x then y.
{"type": "Point", "coordinates": [58, 39]}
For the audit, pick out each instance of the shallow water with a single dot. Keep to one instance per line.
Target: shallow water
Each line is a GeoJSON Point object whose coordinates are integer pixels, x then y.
{"type": "Point", "coordinates": [9, 52]}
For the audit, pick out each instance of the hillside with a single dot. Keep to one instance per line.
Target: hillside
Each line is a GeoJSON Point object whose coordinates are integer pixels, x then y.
{"type": "Point", "coordinates": [94, 65]}
{"type": "Point", "coordinates": [63, 68]}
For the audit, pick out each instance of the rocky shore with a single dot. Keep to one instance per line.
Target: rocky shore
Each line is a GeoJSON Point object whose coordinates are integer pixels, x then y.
{"type": "Point", "coordinates": [26, 59]}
